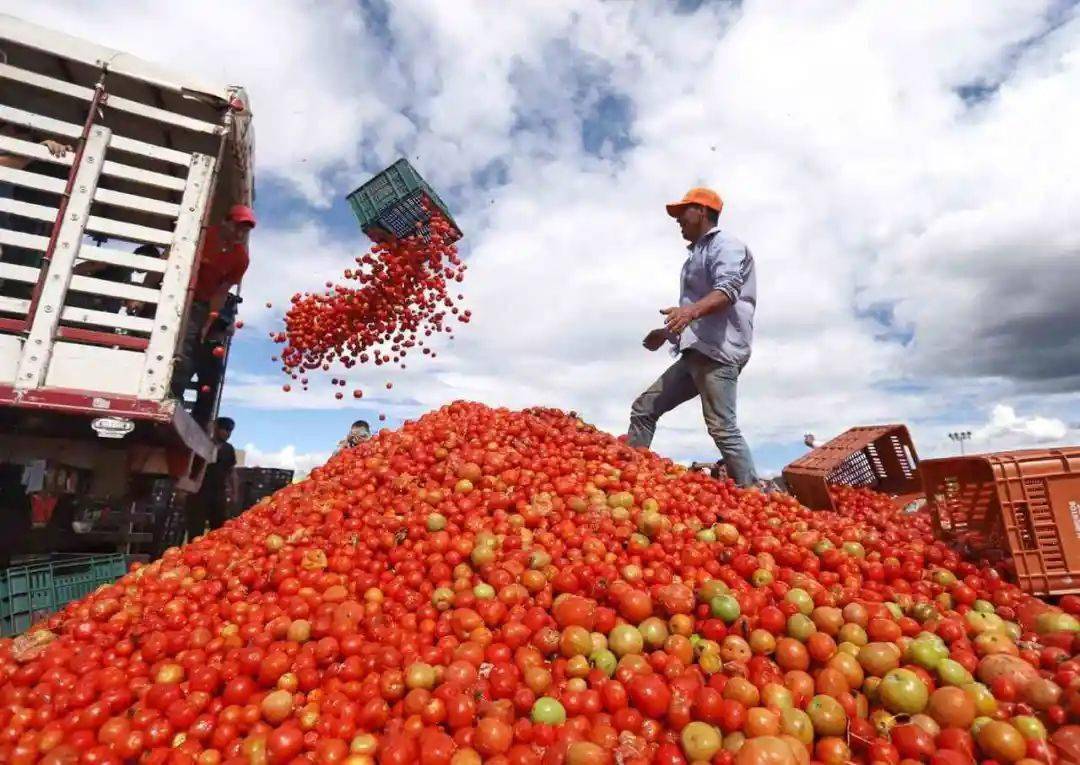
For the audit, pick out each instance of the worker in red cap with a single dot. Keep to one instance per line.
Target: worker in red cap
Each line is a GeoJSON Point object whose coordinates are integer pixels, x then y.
{"type": "Point", "coordinates": [222, 263]}
{"type": "Point", "coordinates": [710, 333]}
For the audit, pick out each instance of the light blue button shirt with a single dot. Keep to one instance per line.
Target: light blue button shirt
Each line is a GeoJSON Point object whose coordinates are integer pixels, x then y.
{"type": "Point", "coordinates": [719, 261]}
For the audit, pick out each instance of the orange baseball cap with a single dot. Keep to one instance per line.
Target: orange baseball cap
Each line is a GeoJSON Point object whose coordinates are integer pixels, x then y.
{"type": "Point", "coordinates": [242, 214]}
{"type": "Point", "coordinates": [699, 196]}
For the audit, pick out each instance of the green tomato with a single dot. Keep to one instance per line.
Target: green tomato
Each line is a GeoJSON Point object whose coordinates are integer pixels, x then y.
{"type": "Point", "coordinates": [944, 577]}
{"type": "Point", "coordinates": [801, 599]}
{"type": "Point", "coordinates": [978, 724]}
{"type": "Point", "coordinates": [700, 741]}
{"type": "Point", "coordinates": [605, 661]}
{"type": "Point", "coordinates": [795, 722]}
{"type": "Point", "coordinates": [902, 691]}
{"type": "Point", "coordinates": [854, 549]}
{"type": "Point", "coordinates": [442, 598]}
{"type": "Point", "coordinates": [983, 606]}
{"type": "Point", "coordinates": [706, 535]}
{"type": "Point", "coordinates": [923, 611]}
{"type": "Point", "coordinates": [710, 589]}
{"type": "Point", "coordinates": [926, 653]}
{"type": "Point", "coordinates": [1055, 621]}
{"type": "Point", "coordinates": [548, 711]}
{"type": "Point", "coordinates": [827, 716]}
{"type": "Point", "coordinates": [436, 522]}
{"type": "Point", "coordinates": [725, 607]}
{"type": "Point", "coordinates": [953, 673]}
{"type": "Point", "coordinates": [625, 639]}
{"type": "Point", "coordinates": [985, 703]}
{"type": "Point", "coordinates": [852, 633]}
{"type": "Point", "coordinates": [800, 627]}
{"type": "Point", "coordinates": [1030, 727]}
{"type": "Point", "coordinates": [484, 591]}
{"type": "Point", "coordinates": [761, 578]}
{"type": "Point", "coordinates": [895, 610]}
{"type": "Point", "coordinates": [822, 546]}
{"type": "Point", "coordinates": [933, 638]}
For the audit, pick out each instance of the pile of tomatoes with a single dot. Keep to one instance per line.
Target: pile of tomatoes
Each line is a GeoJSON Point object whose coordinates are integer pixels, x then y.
{"type": "Point", "coordinates": [402, 296]}
{"type": "Point", "coordinates": [519, 588]}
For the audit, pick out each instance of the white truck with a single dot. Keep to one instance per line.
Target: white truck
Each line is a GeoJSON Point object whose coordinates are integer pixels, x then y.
{"type": "Point", "coordinates": [98, 256]}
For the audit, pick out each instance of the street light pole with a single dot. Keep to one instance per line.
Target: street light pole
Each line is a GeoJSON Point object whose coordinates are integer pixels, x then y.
{"type": "Point", "coordinates": [960, 437]}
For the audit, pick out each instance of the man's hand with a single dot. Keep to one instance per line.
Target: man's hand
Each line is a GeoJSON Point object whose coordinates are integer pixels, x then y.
{"type": "Point", "coordinates": [56, 148]}
{"type": "Point", "coordinates": [655, 339]}
{"type": "Point", "coordinates": [678, 319]}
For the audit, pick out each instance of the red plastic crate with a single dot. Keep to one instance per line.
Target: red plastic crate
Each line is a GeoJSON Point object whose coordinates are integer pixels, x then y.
{"type": "Point", "coordinates": [880, 457]}
{"type": "Point", "coordinates": [1023, 504]}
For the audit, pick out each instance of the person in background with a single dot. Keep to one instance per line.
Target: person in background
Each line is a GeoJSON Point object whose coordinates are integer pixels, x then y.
{"type": "Point", "coordinates": [359, 432]}
{"type": "Point", "coordinates": [711, 330]}
{"type": "Point", "coordinates": [18, 255]}
{"type": "Point", "coordinates": [123, 275]}
{"type": "Point", "coordinates": [209, 505]}
{"type": "Point", "coordinates": [809, 440]}
{"type": "Point", "coordinates": [223, 261]}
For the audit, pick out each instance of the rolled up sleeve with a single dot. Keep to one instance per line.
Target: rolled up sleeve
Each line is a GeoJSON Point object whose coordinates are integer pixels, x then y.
{"type": "Point", "coordinates": [726, 263]}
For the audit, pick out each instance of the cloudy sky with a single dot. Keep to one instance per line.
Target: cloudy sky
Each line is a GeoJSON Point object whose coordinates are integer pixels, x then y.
{"type": "Point", "coordinates": [903, 172]}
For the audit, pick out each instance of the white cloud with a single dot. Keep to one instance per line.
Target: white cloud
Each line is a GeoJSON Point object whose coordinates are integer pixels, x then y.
{"type": "Point", "coordinates": [286, 458]}
{"type": "Point", "coordinates": [917, 255]}
{"type": "Point", "coordinates": [1006, 424]}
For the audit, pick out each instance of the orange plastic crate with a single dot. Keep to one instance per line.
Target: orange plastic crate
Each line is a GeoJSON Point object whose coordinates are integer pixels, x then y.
{"type": "Point", "coordinates": [880, 457]}
{"type": "Point", "coordinates": [1022, 504]}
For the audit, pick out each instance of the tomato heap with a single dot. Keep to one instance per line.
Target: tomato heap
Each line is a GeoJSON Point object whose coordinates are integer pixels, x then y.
{"type": "Point", "coordinates": [402, 297]}
{"type": "Point", "coordinates": [519, 588]}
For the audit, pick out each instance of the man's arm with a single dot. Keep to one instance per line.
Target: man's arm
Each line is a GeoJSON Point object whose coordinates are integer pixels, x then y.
{"type": "Point", "coordinates": [727, 265]}
{"type": "Point", "coordinates": [216, 302]}
{"type": "Point", "coordinates": [679, 318]}
{"type": "Point", "coordinates": [19, 162]}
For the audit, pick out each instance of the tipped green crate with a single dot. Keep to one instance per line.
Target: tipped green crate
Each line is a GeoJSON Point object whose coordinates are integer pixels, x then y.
{"type": "Point", "coordinates": [39, 587]}
{"type": "Point", "coordinates": [392, 204]}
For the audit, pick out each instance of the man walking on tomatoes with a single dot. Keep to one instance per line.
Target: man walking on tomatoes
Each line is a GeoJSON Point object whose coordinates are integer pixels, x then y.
{"type": "Point", "coordinates": [710, 331]}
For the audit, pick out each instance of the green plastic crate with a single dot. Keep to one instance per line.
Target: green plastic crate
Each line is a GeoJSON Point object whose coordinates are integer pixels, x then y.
{"type": "Point", "coordinates": [392, 203]}
{"type": "Point", "coordinates": [42, 586]}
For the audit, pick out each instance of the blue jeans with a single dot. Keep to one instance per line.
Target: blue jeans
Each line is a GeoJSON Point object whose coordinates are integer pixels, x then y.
{"type": "Point", "coordinates": [695, 374]}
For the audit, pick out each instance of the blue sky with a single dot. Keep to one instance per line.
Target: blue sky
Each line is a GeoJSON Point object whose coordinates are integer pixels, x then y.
{"type": "Point", "coordinates": [896, 170]}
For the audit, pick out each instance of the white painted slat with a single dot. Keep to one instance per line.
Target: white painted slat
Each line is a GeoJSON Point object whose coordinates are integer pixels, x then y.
{"type": "Point", "coordinates": [97, 224]}
{"type": "Point", "coordinates": [135, 202]}
{"type": "Point", "coordinates": [37, 122]}
{"type": "Point", "coordinates": [169, 317]}
{"type": "Point", "coordinates": [108, 288]}
{"type": "Point", "coordinates": [71, 130]}
{"type": "Point", "coordinates": [137, 174]}
{"type": "Point", "coordinates": [26, 274]}
{"type": "Point", "coordinates": [57, 186]}
{"type": "Point", "coordinates": [94, 223]}
{"type": "Point", "coordinates": [32, 180]}
{"type": "Point", "coordinates": [126, 259]}
{"type": "Point", "coordinates": [21, 239]}
{"type": "Point", "coordinates": [38, 350]}
{"type": "Point", "coordinates": [150, 150]}
{"type": "Point", "coordinates": [114, 102]}
{"type": "Point", "coordinates": [128, 230]}
{"type": "Point", "coordinates": [27, 210]}
{"type": "Point", "coordinates": [106, 319]}
{"type": "Point", "coordinates": [115, 169]}
{"type": "Point", "coordinates": [14, 305]}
